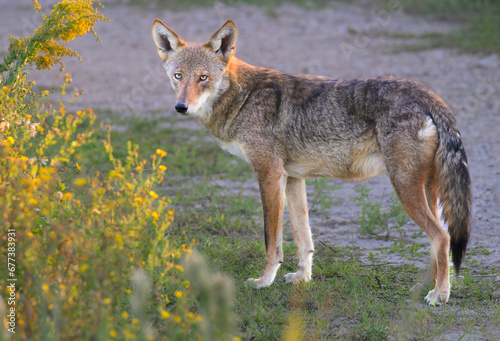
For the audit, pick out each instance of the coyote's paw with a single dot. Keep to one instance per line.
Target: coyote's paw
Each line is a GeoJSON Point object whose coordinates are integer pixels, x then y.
{"type": "Point", "coordinates": [437, 297]}
{"type": "Point", "coordinates": [258, 282]}
{"type": "Point", "coordinates": [297, 277]}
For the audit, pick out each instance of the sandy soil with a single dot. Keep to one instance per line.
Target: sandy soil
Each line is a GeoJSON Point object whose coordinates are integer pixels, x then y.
{"type": "Point", "coordinates": [123, 73]}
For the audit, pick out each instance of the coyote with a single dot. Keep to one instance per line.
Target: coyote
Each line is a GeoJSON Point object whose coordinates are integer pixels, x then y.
{"type": "Point", "coordinates": [292, 127]}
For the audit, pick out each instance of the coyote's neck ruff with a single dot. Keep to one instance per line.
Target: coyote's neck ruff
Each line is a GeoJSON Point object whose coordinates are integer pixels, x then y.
{"type": "Point", "coordinates": [291, 127]}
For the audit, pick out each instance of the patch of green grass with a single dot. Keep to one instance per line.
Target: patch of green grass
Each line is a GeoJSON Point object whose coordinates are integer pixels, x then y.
{"type": "Point", "coordinates": [480, 18]}
{"type": "Point", "coordinates": [204, 209]}
{"type": "Point", "coordinates": [375, 220]}
{"type": "Point", "coordinates": [346, 299]}
{"type": "Point", "coordinates": [190, 152]}
{"type": "Point", "coordinates": [321, 188]}
{"type": "Point", "coordinates": [479, 251]}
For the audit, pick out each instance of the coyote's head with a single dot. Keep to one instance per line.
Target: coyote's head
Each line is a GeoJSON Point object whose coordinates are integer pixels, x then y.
{"type": "Point", "coordinates": [197, 71]}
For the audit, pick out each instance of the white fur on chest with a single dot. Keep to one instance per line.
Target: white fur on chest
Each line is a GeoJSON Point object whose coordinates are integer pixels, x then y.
{"type": "Point", "coordinates": [234, 148]}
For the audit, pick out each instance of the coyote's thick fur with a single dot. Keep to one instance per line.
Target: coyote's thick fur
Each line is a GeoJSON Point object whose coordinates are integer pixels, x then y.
{"type": "Point", "coordinates": [292, 127]}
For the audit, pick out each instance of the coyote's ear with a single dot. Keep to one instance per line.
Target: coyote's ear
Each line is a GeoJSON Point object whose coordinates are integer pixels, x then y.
{"type": "Point", "coordinates": [223, 42]}
{"type": "Point", "coordinates": [167, 40]}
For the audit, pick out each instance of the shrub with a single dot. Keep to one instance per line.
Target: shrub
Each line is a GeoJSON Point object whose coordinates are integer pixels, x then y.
{"type": "Point", "coordinates": [84, 253]}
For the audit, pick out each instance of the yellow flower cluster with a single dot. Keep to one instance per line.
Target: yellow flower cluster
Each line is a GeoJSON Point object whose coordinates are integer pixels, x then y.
{"type": "Point", "coordinates": [83, 234]}
{"type": "Point", "coordinates": [67, 20]}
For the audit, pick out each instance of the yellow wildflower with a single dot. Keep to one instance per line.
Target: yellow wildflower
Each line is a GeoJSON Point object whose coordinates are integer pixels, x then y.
{"type": "Point", "coordinates": [115, 174]}
{"type": "Point", "coordinates": [80, 182]}
{"type": "Point", "coordinates": [67, 195]}
{"type": "Point", "coordinates": [160, 152]}
{"type": "Point", "coordinates": [153, 194]}
{"type": "Point", "coordinates": [178, 294]}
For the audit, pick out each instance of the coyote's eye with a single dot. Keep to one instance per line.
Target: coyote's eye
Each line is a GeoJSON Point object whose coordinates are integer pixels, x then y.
{"type": "Point", "coordinates": [178, 75]}
{"type": "Point", "coordinates": [203, 78]}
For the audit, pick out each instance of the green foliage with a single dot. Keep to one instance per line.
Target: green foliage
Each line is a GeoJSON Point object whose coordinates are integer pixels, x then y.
{"type": "Point", "coordinates": [320, 197]}
{"type": "Point", "coordinates": [374, 219]}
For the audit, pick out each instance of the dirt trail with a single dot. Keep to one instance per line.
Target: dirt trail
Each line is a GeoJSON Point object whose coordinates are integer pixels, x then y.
{"type": "Point", "coordinates": [124, 74]}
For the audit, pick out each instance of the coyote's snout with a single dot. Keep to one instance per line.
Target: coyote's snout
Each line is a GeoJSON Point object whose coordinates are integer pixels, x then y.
{"type": "Point", "coordinates": [292, 127]}
{"type": "Point", "coordinates": [181, 107]}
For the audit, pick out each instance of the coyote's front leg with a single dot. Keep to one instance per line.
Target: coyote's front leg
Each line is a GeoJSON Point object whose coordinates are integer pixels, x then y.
{"type": "Point", "coordinates": [272, 182]}
{"type": "Point", "coordinates": [299, 219]}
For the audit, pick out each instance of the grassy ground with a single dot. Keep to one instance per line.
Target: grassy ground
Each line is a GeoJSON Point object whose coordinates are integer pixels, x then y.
{"type": "Point", "coordinates": [480, 19]}
{"type": "Point", "coordinates": [348, 299]}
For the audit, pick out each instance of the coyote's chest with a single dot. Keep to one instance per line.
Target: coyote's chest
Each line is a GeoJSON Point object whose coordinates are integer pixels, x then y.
{"type": "Point", "coordinates": [233, 147]}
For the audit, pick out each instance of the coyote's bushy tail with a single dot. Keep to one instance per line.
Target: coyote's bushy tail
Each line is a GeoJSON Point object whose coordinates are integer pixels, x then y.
{"type": "Point", "coordinates": [454, 184]}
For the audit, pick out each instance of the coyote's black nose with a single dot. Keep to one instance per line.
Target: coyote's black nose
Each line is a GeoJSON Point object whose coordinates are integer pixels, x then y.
{"type": "Point", "coordinates": [181, 107]}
